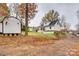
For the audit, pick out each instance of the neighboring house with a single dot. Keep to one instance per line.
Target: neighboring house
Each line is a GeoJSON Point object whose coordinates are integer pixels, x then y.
{"type": "Point", "coordinates": [53, 26]}
{"type": "Point", "coordinates": [10, 25]}
{"type": "Point", "coordinates": [31, 29]}
{"type": "Point", "coordinates": [74, 32]}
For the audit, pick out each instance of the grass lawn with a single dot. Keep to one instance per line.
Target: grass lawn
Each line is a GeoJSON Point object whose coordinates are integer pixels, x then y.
{"type": "Point", "coordinates": [45, 35]}
{"type": "Point", "coordinates": [33, 38]}
{"type": "Point", "coordinates": [41, 34]}
{"type": "Point", "coordinates": [16, 45]}
{"type": "Point", "coordinates": [49, 35]}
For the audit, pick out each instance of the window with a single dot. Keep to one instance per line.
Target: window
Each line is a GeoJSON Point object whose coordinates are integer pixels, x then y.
{"type": "Point", "coordinates": [6, 23]}
{"type": "Point", "coordinates": [50, 27]}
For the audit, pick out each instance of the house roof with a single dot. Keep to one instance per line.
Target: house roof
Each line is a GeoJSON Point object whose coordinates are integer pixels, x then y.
{"type": "Point", "coordinates": [53, 23]}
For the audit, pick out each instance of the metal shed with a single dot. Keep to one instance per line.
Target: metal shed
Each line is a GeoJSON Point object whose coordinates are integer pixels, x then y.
{"type": "Point", "coordinates": [10, 25]}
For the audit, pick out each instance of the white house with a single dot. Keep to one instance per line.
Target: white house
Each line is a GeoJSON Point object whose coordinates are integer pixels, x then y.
{"type": "Point", "coordinates": [53, 26]}
{"type": "Point", "coordinates": [10, 25]}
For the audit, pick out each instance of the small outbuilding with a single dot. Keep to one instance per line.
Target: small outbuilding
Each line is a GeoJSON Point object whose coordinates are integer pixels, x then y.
{"type": "Point", "coordinates": [10, 25]}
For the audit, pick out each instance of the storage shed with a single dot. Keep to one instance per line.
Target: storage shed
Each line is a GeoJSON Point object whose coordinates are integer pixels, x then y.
{"type": "Point", "coordinates": [10, 25]}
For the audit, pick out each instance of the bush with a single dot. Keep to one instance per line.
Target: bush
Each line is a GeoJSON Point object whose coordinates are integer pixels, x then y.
{"type": "Point", "coordinates": [59, 34]}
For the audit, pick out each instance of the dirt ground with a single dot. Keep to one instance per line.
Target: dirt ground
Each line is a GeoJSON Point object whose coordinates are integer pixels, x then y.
{"type": "Point", "coordinates": [31, 46]}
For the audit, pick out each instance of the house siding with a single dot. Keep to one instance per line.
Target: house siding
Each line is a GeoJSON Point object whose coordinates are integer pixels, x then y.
{"type": "Point", "coordinates": [53, 28]}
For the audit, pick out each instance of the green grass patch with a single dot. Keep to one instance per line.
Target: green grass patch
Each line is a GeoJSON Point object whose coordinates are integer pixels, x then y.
{"type": "Point", "coordinates": [48, 35]}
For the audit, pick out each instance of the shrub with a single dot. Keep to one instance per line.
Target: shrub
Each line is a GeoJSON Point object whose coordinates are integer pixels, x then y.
{"type": "Point", "coordinates": [59, 34]}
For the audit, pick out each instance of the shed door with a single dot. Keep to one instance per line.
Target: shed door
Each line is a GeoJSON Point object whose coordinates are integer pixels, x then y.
{"type": "Point", "coordinates": [11, 25]}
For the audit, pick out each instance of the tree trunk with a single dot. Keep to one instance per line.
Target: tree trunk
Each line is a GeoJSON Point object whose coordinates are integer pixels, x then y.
{"type": "Point", "coordinates": [26, 20]}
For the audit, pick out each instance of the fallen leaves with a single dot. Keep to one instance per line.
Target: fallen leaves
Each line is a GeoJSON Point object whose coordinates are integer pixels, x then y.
{"type": "Point", "coordinates": [24, 40]}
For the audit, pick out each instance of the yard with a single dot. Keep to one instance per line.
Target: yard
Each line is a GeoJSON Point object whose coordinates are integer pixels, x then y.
{"type": "Point", "coordinates": [32, 38]}
{"type": "Point", "coordinates": [48, 35]}
{"type": "Point", "coordinates": [39, 44]}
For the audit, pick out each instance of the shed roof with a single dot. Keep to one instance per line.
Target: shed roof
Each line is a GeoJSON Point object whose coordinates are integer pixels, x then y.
{"type": "Point", "coordinates": [10, 17]}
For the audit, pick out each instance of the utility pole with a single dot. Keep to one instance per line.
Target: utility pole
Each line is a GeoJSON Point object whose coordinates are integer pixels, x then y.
{"type": "Point", "coordinates": [26, 19]}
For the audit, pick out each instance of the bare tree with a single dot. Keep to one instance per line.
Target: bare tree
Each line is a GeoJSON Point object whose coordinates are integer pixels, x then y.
{"type": "Point", "coordinates": [28, 12]}
{"type": "Point", "coordinates": [3, 9]}
{"type": "Point", "coordinates": [64, 24]}
{"type": "Point", "coordinates": [77, 26]}
{"type": "Point", "coordinates": [51, 16]}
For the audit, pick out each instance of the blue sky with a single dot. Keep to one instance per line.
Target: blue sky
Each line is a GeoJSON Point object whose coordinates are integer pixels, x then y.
{"type": "Point", "coordinates": [69, 10]}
